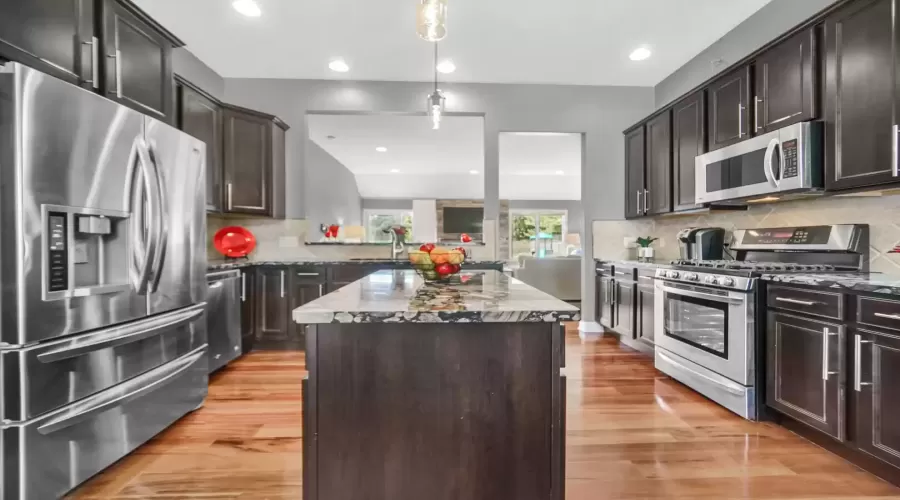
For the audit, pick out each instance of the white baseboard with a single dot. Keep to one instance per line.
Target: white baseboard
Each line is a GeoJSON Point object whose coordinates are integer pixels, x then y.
{"type": "Point", "coordinates": [590, 328]}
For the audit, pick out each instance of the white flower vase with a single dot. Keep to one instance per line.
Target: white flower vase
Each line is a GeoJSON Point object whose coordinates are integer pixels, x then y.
{"type": "Point", "coordinates": [645, 254]}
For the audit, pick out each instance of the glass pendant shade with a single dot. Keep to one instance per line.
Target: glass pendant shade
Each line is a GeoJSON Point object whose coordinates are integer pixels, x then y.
{"type": "Point", "coordinates": [436, 108]}
{"type": "Point", "coordinates": [431, 20]}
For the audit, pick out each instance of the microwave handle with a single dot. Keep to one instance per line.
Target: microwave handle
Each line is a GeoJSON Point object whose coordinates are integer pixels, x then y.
{"type": "Point", "coordinates": [767, 162]}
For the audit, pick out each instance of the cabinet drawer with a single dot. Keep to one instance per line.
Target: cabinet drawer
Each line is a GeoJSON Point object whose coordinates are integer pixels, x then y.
{"type": "Point", "coordinates": [623, 273]}
{"type": "Point", "coordinates": [879, 312]}
{"type": "Point", "coordinates": [816, 303]}
{"type": "Point", "coordinates": [308, 274]}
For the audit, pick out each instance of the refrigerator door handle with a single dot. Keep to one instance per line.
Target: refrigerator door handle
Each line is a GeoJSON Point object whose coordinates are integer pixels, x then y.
{"type": "Point", "coordinates": [162, 226]}
{"type": "Point", "coordinates": [124, 393]}
{"type": "Point", "coordinates": [145, 229]}
{"type": "Point", "coordinates": [122, 335]}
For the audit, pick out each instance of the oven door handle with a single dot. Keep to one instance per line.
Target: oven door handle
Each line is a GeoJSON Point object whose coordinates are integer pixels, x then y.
{"type": "Point", "coordinates": [701, 295]}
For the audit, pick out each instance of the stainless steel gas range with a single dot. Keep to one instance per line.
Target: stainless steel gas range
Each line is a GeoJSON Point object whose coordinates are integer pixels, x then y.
{"type": "Point", "coordinates": [708, 323]}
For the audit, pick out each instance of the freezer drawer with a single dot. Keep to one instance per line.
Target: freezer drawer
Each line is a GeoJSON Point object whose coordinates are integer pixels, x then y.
{"type": "Point", "coordinates": [46, 457]}
{"type": "Point", "coordinates": [48, 376]}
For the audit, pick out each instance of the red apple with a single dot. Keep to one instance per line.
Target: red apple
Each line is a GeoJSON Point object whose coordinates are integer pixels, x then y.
{"type": "Point", "coordinates": [455, 268]}
{"type": "Point", "coordinates": [428, 247]}
{"type": "Point", "coordinates": [465, 238]}
{"type": "Point", "coordinates": [444, 269]}
{"type": "Point", "coordinates": [463, 250]}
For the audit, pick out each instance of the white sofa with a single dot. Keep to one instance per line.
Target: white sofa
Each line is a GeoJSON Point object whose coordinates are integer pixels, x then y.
{"type": "Point", "coordinates": [558, 276]}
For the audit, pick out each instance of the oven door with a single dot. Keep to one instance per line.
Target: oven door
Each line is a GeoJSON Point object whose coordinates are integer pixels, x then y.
{"type": "Point", "coordinates": [711, 327]}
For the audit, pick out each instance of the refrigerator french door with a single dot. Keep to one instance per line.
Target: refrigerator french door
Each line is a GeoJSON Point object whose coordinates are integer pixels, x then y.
{"type": "Point", "coordinates": [103, 262]}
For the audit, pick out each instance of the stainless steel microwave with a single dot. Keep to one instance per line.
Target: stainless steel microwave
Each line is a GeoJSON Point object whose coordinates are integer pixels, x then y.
{"type": "Point", "coordinates": [781, 164]}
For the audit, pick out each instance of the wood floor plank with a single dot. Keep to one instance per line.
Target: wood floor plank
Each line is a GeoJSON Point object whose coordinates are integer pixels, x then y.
{"type": "Point", "coordinates": [633, 433]}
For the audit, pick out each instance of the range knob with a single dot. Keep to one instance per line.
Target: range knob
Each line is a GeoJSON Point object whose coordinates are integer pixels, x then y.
{"type": "Point", "coordinates": [692, 277]}
{"type": "Point", "coordinates": [710, 280]}
{"type": "Point", "coordinates": [726, 281]}
{"type": "Point", "coordinates": [672, 274]}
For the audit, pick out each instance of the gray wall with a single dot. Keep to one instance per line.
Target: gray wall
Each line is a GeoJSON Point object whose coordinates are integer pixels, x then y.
{"type": "Point", "coordinates": [600, 113]}
{"type": "Point", "coordinates": [332, 193]}
{"type": "Point", "coordinates": [386, 204]}
{"type": "Point", "coordinates": [575, 212]}
{"type": "Point", "coordinates": [186, 65]}
{"type": "Point", "coordinates": [768, 23]}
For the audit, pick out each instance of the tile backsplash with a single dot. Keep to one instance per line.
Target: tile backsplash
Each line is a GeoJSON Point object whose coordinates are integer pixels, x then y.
{"type": "Point", "coordinates": [882, 213]}
{"type": "Point", "coordinates": [284, 240]}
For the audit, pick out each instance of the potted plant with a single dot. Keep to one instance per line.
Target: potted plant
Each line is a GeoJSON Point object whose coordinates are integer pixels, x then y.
{"type": "Point", "coordinates": [645, 252]}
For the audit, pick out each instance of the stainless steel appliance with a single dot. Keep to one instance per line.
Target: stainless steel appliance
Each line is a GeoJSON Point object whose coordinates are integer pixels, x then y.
{"type": "Point", "coordinates": [706, 243]}
{"type": "Point", "coordinates": [223, 317]}
{"type": "Point", "coordinates": [785, 163]}
{"type": "Point", "coordinates": [103, 265]}
{"type": "Point", "coordinates": [707, 312]}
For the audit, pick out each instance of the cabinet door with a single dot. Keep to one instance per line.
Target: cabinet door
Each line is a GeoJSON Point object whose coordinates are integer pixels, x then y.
{"type": "Point", "coordinates": [658, 195]}
{"type": "Point", "coordinates": [688, 142]}
{"type": "Point", "coordinates": [247, 157]}
{"type": "Point", "coordinates": [805, 371]}
{"type": "Point", "coordinates": [859, 95]}
{"type": "Point", "coordinates": [645, 311]}
{"type": "Point", "coordinates": [634, 173]}
{"type": "Point", "coordinates": [786, 83]}
{"type": "Point", "coordinates": [272, 308]}
{"type": "Point", "coordinates": [604, 301]}
{"type": "Point", "coordinates": [729, 118]}
{"type": "Point", "coordinates": [54, 36]}
{"type": "Point", "coordinates": [624, 298]}
{"type": "Point", "coordinates": [876, 385]}
{"type": "Point", "coordinates": [248, 309]}
{"type": "Point", "coordinates": [201, 117]}
{"type": "Point", "coordinates": [138, 63]}
{"type": "Point", "coordinates": [304, 289]}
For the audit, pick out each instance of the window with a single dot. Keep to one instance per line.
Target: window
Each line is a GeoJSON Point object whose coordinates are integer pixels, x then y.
{"type": "Point", "coordinates": [378, 220]}
{"type": "Point", "coordinates": [540, 233]}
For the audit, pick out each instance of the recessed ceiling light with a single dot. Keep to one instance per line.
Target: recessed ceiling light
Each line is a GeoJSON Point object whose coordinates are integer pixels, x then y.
{"type": "Point", "coordinates": [339, 65]}
{"type": "Point", "coordinates": [473, 172]}
{"type": "Point", "coordinates": [381, 149]}
{"type": "Point", "coordinates": [330, 137]}
{"type": "Point", "coordinates": [640, 54]}
{"type": "Point", "coordinates": [446, 66]}
{"type": "Point", "coordinates": [395, 171]}
{"type": "Point", "coordinates": [560, 172]}
{"type": "Point", "coordinates": [248, 8]}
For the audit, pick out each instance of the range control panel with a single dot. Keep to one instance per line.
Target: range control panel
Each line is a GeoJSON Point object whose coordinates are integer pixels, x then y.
{"type": "Point", "coordinates": [58, 265]}
{"type": "Point", "coordinates": [789, 158]}
{"type": "Point", "coordinates": [813, 235]}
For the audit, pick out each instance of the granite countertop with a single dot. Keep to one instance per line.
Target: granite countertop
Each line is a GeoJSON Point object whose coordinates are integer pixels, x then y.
{"type": "Point", "coordinates": [852, 282]}
{"type": "Point", "coordinates": [450, 244]}
{"type": "Point", "coordinates": [223, 265]}
{"type": "Point", "coordinates": [654, 264]}
{"type": "Point", "coordinates": [402, 296]}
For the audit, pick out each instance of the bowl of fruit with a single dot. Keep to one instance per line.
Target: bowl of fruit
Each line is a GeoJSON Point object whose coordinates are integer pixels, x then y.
{"type": "Point", "coordinates": [434, 263]}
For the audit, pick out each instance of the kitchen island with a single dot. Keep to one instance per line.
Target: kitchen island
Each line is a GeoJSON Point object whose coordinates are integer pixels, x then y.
{"type": "Point", "coordinates": [434, 390]}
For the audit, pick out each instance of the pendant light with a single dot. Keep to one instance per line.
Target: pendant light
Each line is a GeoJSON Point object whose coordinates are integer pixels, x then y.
{"type": "Point", "coordinates": [436, 99]}
{"type": "Point", "coordinates": [431, 20]}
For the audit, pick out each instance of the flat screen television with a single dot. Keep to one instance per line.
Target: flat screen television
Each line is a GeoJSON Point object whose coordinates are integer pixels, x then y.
{"type": "Point", "coordinates": [463, 220]}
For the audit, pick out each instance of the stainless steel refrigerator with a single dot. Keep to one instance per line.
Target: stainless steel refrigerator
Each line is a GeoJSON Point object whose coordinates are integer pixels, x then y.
{"type": "Point", "coordinates": [102, 282]}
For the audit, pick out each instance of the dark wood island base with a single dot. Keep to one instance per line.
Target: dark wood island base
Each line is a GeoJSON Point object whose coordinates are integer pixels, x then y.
{"type": "Point", "coordinates": [434, 411]}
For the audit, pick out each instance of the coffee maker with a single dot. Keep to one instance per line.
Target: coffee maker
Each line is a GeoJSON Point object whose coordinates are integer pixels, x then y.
{"type": "Point", "coordinates": [704, 243]}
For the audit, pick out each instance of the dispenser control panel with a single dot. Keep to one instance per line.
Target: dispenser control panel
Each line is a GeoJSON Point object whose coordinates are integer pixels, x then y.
{"type": "Point", "coordinates": [58, 265]}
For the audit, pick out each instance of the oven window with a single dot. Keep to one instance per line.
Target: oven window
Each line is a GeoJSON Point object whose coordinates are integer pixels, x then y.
{"type": "Point", "coordinates": [701, 323]}
{"type": "Point", "coordinates": [745, 170]}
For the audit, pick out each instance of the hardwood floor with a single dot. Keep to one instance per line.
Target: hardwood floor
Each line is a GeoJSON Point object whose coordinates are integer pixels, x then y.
{"type": "Point", "coordinates": [632, 434]}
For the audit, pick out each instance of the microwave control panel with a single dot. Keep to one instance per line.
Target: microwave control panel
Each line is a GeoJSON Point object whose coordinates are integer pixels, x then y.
{"type": "Point", "coordinates": [57, 263]}
{"type": "Point", "coordinates": [789, 159]}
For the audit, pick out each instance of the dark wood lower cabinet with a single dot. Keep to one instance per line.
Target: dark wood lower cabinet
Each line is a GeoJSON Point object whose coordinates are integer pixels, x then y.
{"type": "Point", "coordinates": [876, 390]}
{"type": "Point", "coordinates": [273, 308]}
{"type": "Point", "coordinates": [645, 312]}
{"type": "Point", "coordinates": [624, 299]}
{"type": "Point", "coordinates": [806, 371]}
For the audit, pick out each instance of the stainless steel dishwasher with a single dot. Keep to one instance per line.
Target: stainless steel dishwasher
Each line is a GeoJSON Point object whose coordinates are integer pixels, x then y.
{"type": "Point", "coordinates": [223, 317]}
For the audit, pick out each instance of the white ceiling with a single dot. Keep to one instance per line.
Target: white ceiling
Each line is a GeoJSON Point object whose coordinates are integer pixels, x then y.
{"type": "Point", "coordinates": [437, 163]}
{"type": "Point", "coordinates": [584, 42]}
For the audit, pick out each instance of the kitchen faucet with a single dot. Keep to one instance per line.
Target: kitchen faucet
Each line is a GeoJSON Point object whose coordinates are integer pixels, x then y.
{"type": "Point", "coordinates": [398, 234]}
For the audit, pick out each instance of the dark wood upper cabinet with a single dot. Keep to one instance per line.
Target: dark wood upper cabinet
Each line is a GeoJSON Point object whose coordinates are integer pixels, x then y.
{"type": "Point", "coordinates": [729, 112]}
{"type": "Point", "coordinates": [786, 87]}
{"type": "Point", "coordinates": [860, 95]}
{"type": "Point", "coordinates": [658, 192]}
{"type": "Point", "coordinates": [254, 163]}
{"type": "Point", "coordinates": [876, 389]}
{"type": "Point", "coordinates": [53, 36]}
{"type": "Point", "coordinates": [688, 142]}
{"type": "Point", "coordinates": [805, 371]}
{"type": "Point", "coordinates": [138, 61]}
{"type": "Point", "coordinates": [200, 115]}
{"type": "Point", "coordinates": [634, 172]}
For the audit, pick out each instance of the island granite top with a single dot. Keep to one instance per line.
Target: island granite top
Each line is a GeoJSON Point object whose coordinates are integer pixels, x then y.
{"type": "Point", "coordinates": [852, 282]}
{"type": "Point", "coordinates": [402, 296]}
{"type": "Point", "coordinates": [219, 265]}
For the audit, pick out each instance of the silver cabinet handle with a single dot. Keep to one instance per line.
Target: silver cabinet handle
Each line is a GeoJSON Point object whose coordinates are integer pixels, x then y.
{"type": "Point", "coordinates": [887, 316]}
{"type": "Point", "coordinates": [95, 65]}
{"type": "Point", "coordinates": [740, 120]}
{"type": "Point", "coordinates": [795, 301]}
{"type": "Point", "coordinates": [857, 362]}
{"type": "Point", "coordinates": [623, 273]}
{"type": "Point", "coordinates": [646, 203]}
{"type": "Point", "coordinates": [756, 102]}
{"type": "Point", "coordinates": [825, 335]}
{"type": "Point", "coordinates": [228, 195]}
{"type": "Point", "coordinates": [895, 162]}
{"type": "Point", "coordinates": [638, 211]}
{"type": "Point", "coordinates": [646, 278]}
{"type": "Point", "coordinates": [307, 274]}
{"type": "Point", "coordinates": [118, 59]}
{"type": "Point", "coordinates": [282, 283]}
{"type": "Point", "coordinates": [243, 287]}
{"type": "Point", "coordinates": [321, 290]}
